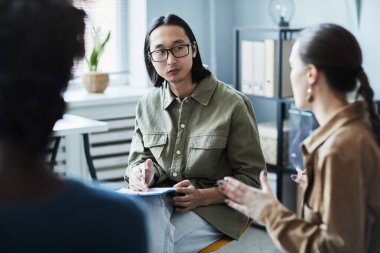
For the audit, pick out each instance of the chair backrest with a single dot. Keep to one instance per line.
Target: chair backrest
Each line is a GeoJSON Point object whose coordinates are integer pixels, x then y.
{"type": "Point", "coordinates": [224, 240]}
{"type": "Point", "coordinates": [109, 150]}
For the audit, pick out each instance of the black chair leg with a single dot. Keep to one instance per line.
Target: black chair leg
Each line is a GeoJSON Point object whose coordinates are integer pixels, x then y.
{"type": "Point", "coordinates": [54, 153]}
{"type": "Point", "coordinates": [90, 164]}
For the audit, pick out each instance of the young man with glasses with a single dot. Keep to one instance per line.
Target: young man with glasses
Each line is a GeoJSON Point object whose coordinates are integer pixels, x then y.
{"type": "Point", "coordinates": [191, 131]}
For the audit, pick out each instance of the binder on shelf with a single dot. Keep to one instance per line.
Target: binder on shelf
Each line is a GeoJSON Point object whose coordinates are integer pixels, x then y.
{"type": "Point", "coordinates": [258, 70]}
{"type": "Point", "coordinates": [253, 63]}
{"type": "Point", "coordinates": [247, 66]}
{"type": "Point", "coordinates": [271, 56]}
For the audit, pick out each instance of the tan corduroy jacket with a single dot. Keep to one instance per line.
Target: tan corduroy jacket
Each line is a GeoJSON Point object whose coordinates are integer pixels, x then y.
{"type": "Point", "coordinates": [341, 209]}
{"type": "Point", "coordinates": [205, 137]}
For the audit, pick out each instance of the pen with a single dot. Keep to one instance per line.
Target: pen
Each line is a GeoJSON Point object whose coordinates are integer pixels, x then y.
{"type": "Point", "coordinates": [143, 168]}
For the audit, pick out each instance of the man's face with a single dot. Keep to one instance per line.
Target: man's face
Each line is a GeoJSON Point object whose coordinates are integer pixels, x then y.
{"type": "Point", "coordinates": [175, 70]}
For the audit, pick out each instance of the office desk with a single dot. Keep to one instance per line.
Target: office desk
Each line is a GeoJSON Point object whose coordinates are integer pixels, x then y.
{"type": "Point", "coordinates": [71, 125]}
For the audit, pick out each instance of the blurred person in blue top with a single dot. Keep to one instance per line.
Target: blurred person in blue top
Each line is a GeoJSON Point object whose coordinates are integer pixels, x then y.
{"type": "Point", "coordinates": [39, 212]}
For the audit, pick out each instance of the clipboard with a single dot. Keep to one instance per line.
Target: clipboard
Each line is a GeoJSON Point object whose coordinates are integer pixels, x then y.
{"type": "Point", "coordinates": [155, 191]}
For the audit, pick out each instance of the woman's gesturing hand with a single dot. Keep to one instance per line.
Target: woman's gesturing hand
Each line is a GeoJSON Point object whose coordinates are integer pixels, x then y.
{"type": "Point", "coordinates": [300, 178]}
{"type": "Point", "coordinates": [246, 199]}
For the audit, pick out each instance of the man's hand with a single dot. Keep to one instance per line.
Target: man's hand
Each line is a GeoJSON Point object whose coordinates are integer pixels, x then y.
{"type": "Point", "coordinates": [192, 197]}
{"type": "Point", "coordinates": [142, 176]}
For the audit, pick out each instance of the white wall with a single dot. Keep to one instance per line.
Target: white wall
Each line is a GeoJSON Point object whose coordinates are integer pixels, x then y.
{"type": "Point", "coordinates": [369, 37]}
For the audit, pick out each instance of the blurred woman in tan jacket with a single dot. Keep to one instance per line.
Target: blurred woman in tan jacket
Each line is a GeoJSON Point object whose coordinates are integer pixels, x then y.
{"type": "Point", "coordinates": [341, 206]}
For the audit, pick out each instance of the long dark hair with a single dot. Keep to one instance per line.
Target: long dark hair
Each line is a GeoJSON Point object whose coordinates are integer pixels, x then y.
{"type": "Point", "coordinates": [336, 52]}
{"type": "Point", "coordinates": [198, 71]}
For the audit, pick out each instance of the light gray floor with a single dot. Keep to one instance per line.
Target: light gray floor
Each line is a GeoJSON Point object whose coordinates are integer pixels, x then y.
{"type": "Point", "coordinates": [255, 240]}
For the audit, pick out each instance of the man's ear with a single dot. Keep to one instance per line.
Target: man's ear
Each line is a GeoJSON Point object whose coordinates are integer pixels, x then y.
{"type": "Point", "coordinates": [195, 48]}
{"type": "Point", "coordinates": [312, 74]}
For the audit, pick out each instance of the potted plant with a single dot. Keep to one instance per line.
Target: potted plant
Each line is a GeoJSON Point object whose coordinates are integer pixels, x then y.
{"type": "Point", "coordinates": [95, 81]}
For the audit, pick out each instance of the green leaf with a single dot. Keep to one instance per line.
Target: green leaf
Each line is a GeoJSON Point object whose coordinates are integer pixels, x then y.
{"type": "Point", "coordinates": [106, 40]}
{"type": "Point", "coordinates": [97, 50]}
{"type": "Point", "coordinates": [94, 60]}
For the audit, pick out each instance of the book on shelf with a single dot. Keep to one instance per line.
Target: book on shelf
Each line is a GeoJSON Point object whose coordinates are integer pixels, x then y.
{"type": "Point", "coordinates": [259, 67]}
{"type": "Point", "coordinates": [253, 67]}
{"type": "Point", "coordinates": [246, 63]}
{"type": "Point", "coordinates": [271, 65]}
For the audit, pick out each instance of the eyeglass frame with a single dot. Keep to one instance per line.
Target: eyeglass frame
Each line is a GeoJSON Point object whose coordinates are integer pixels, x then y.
{"type": "Point", "coordinates": [171, 50]}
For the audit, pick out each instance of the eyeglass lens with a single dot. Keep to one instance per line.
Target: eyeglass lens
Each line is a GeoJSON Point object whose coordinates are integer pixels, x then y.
{"type": "Point", "coordinates": [177, 51]}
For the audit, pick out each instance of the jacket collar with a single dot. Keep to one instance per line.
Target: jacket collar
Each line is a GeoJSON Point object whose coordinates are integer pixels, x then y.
{"type": "Point", "coordinates": [346, 115]}
{"type": "Point", "coordinates": [167, 95]}
{"type": "Point", "coordinates": [202, 93]}
{"type": "Point", "coordinates": [205, 89]}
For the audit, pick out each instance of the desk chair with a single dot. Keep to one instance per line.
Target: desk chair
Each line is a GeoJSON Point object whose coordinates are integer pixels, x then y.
{"type": "Point", "coordinates": [224, 240]}
{"type": "Point", "coordinates": [108, 152]}
{"type": "Point", "coordinates": [86, 144]}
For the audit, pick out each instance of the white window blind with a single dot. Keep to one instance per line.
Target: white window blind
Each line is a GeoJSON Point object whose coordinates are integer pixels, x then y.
{"type": "Point", "coordinates": [108, 15]}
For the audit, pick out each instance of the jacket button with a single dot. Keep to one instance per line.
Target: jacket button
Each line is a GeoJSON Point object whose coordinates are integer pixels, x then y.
{"type": "Point", "coordinates": [178, 152]}
{"type": "Point", "coordinates": [175, 174]}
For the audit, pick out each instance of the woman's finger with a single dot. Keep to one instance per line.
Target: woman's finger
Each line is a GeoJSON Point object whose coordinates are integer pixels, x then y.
{"type": "Point", "coordinates": [238, 191]}
{"type": "Point", "coordinates": [233, 194]}
{"type": "Point", "coordinates": [237, 207]}
{"type": "Point", "coordinates": [301, 171]}
{"type": "Point", "coordinates": [264, 182]}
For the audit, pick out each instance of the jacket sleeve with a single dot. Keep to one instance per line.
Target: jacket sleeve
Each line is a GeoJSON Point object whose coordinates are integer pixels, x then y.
{"type": "Point", "coordinates": [243, 145]}
{"type": "Point", "coordinates": [337, 225]}
{"type": "Point", "coordinates": [139, 154]}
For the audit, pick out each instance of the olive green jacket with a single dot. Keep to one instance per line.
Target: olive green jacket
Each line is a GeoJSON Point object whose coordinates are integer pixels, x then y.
{"type": "Point", "coordinates": [205, 137]}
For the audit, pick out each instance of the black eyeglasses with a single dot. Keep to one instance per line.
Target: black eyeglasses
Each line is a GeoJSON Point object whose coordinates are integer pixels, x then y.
{"type": "Point", "coordinates": [163, 54]}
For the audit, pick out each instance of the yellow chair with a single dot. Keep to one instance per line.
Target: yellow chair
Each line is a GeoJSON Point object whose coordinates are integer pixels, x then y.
{"type": "Point", "coordinates": [223, 241]}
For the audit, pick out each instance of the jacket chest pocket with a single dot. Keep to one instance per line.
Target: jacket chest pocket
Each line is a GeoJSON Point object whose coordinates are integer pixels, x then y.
{"type": "Point", "coordinates": [204, 154]}
{"type": "Point", "coordinates": [155, 143]}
